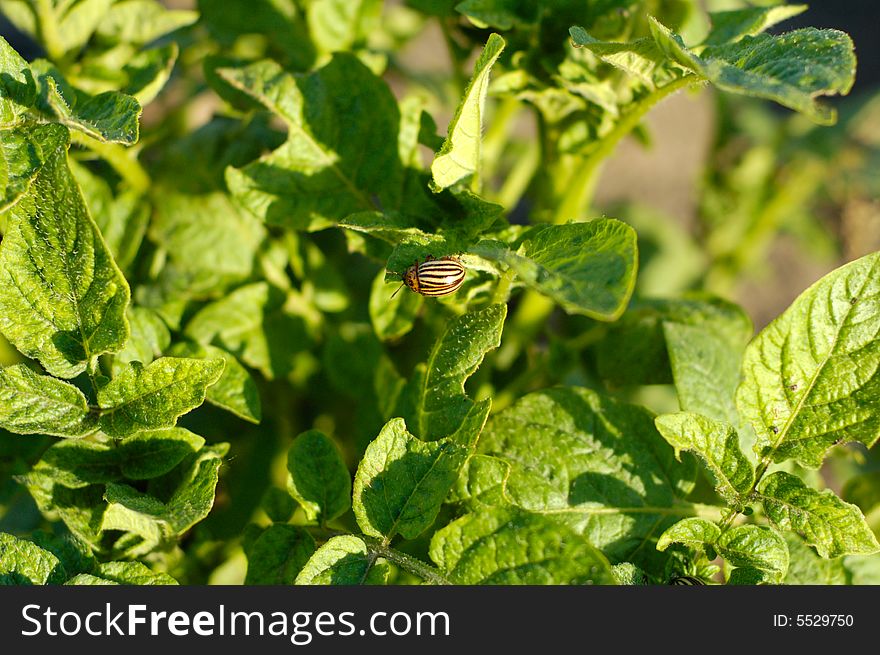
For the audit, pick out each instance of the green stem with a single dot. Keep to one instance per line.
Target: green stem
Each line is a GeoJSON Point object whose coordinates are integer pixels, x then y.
{"type": "Point", "coordinates": [580, 188]}
{"type": "Point", "coordinates": [502, 290]}
{"type": "Point", "coordinates": [751, 245]}
{"type": "Point", "coordinates": [93, 370]}
{"type": "Point", "coordinates": [704, 511]}
{"type": "Point", "coordinates": [128, 167]}
{"type": "Point", "coordinates": [534, 309]}
{"type": "Point", "coordinates": [452, 47]}
{"type": "Point", "coordinates": [728, 520]}
{"type": "Point", "coordinates": [371, 560]}
{"type": "Point", "coordinates": [408, 563]}
{"type": "Point", "coordinates": [495, 138]}
{"type": "Point", "coordinates": [530, 316]}
{"type": "Point", "coordinates": [378, 548]}
{"type": "Point", "coordinates": [517, 181]}
{"type": "Point", "coordinates": [49, 30]}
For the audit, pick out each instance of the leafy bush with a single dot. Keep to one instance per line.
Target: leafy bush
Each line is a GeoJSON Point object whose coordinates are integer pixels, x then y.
{"type": "Point", "coordinates": [207, 378]}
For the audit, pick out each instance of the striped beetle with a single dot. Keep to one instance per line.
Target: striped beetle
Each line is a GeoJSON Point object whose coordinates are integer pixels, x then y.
{"type": "Point", "coordinates": [434, 277]}
{"type": "Point", "coordinates": [688, 580]}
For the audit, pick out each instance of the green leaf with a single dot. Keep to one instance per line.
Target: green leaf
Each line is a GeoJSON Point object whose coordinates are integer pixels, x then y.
{"type": "Point", "coordinates": [807, 568]}
{"type": "Point", "coordinates": [278, 555]}
{"type": "Point", "coordinates": [502, 547]}
{"type": "Point", "coordinates": [147, 455]}
{"type": "Point", "coordinates": [279, 25]}
{"type": "Point", "coordinates": [23, 151]}
{"type": "Point", "coordinates": [811, 379]}
{"type": "Point", "coordinates": [392, 317]}
{"type": "Point", "coordinates": [122, 217]}
{"type": "Point", "coordinates": [149, 338]}
{"type": "Point", "coordinates": [717, 444]}
{"type": "Point", "coordinates": [755, 546]}
{"type": "Point", "coordinates": [252, 324]}
{"type": "Point", "coordinates": [39, 404]}
{"type": "Point", "coordinates": [132, 573]}
{"type": "Point", "coordinates": [140, 514]}
{"type": "Point", "coordinates": [468, 432]}
{"type": "Point", "coordinates": [147, 398]}
{"type": "Point", "coordinates": [231, 319]}
{"type": "Point", "coordinates": [211, 243]}
{"type": "Point", "coordinates": [141, 21]}
{"type": "Point", "coordinates": [500, 14]}
{"type": "Point", "coordinates": [481, 483]}
{"type": "Point", "coordinates": [401, 482]}
{"type": "Point", "coordinates": [750, 576]}
{"type": "Point", "coordinates": [18, 91]}
{"type": "Point", "coordinates": [343, 561]}
{"type": "Point", "coordinates": [791, 69]}
{"type": "Point", "coordinates": [705, 359]}
{"type": "Point", "coordinates": [63, 298]}
{"type": "Point", "coordinates": [79, 22]}
{"type": "Point", "coordinates": [692, 532]}
{"type": "Point", "coordinates": [863, 490]}
{"type": "Point", "coordinates": [319, 479]}
{"type": "Point", "coordinates": [442, 403]}
{"type": "Point", "coordinates": [459, 157]}
{"type": "Point", "coordinates": [278, 505]}
{"type": "Point", "coordinates": [862, 570]}
{"type": "Point", "coordinates": [393, 227]}
{"type": "Point", "coordinates": [641, 58]}
{"type": "Point", "coordinates": [827, 523]}
{"type": "Point", "coordinates": [149, 71]}
{"type": "Point", "coordinates": [109, 116]}
{"type": "Point", "coordinates": [87, 579]}
{"type": "Point", "coordinates": [79, 464]}
{"type": "Point", "coordinates": [157, 523]}
{"type": "Point", "coordinates": [636, 350]}
{"type": "Point", "coordinates": [341, 148]}
{"type": "Point", "coordinates": [81, 509]}
{"type": "Point", "coordinates": [596, 464]}
{"type": "Point", "coordinates": [588, 268]}
{"type": "Point", "coordinates": [75, 555]}
{"type": "Point", "coordinates": [22, 562]}
{"type": "Point", "coordinates": [728, 26]}
{"type": "Point", "coordinates": [340, 25]}
{"type": "Point", "coordinates": [235, 391]}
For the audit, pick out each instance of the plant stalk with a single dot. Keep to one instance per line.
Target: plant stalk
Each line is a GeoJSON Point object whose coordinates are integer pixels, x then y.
{"type": "Point", "coordinates": [128, 167]}
{"type": "Point", "coordinates": [451, 46]}
{"type": "Point", "coordinates": [408, 563]}
{"type": "Point", "coordinates": [580, 188]}
{"type": "Point", "coordinates": [49, 35]}
{"type": "Point", "coordinates": [495, 139]}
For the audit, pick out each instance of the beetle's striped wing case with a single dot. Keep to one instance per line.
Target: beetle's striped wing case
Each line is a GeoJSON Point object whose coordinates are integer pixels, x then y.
{"type": "Point", "coordinates": [686, 580]}
{"type": "Point", "coordinates": [437, 277]}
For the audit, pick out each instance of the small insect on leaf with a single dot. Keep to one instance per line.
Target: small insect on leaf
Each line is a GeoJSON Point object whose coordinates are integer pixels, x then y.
{"type": "Point", "coordinates": [687, 580]}
{"type": "Point", "coordinates": [435, 277]}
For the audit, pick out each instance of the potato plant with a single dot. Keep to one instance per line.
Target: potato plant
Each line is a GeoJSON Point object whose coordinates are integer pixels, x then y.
{"type": "Point", "coordinates": [207, 378]}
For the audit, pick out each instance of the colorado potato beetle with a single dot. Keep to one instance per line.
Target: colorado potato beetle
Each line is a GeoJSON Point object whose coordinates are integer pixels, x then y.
{"type": "Point", "coordinates": [688, 580]}
{"type": "Point", "coordinates": [434, 277]}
